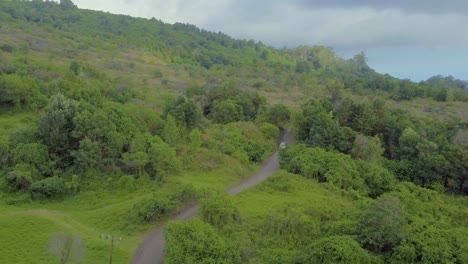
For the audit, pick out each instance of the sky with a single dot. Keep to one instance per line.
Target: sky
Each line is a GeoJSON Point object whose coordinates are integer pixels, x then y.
{"type": "Point", "coordinates": [413, 39]}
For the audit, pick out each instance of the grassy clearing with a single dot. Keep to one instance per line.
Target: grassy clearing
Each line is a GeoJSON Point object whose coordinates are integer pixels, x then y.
{"type": "Point", "coordinates": [27, 228]}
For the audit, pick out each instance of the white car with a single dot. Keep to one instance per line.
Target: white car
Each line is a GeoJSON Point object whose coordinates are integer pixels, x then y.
{"type": "Point", "coordinates": [282, 145]}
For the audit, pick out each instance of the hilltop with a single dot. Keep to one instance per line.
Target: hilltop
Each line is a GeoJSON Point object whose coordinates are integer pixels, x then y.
{"type": "Point", "coordinates": [111, 124]}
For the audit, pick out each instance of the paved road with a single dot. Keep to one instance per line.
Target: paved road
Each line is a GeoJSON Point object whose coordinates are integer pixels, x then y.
{"type": "Point", "coordinates": [151, 251]}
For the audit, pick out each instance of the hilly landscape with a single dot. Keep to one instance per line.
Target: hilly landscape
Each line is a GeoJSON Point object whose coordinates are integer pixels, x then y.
{"type": "Point", "coordinates": [112, 127]}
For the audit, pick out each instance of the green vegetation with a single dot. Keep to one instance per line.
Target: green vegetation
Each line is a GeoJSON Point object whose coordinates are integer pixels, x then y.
{"type": "Point", "coordinates": [110, 124]}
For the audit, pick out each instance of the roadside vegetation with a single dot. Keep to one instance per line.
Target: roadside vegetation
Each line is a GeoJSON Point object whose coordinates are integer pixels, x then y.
{"type": "Point", "coordinates": [109, 125]}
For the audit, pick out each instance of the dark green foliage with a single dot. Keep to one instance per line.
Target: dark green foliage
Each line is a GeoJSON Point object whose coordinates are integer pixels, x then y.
{"type": "Point", "coordinates": [7, 48]}
{"type": "Point", "coordinates": [316, 126]}
{"type": "Point", "coordinates": [224, 112]}
{"type": "Point", "coordinates": [378, 179]}
{"type": "Point", "coordinates": [162, 159]}
{"type": "Point", "coordinates": [381, 228]}
{"type": "Point", "coordinates": [102, 128]}
{"type": "Point", "coordinates": [337, 249]}
{"type": "Point", "coordinates": [87, 156]}
{"type": "Point", "coordinates": [31, 153]}
{"type": "Point", "coordinates": [278, 115]}
{"type": "Point", "coordinates": [4, 156]}
{"type": "Point", "coordinates": [432, 246]}
{"type": "Point", "coordinates": [67, 4]}
{"type": "Point", "coordinates": [186, 113]}
{"type": "Point", "coordinates": [337, 169]}
{"type": "Point", "coordinates": [197, 242]}
{"type": "Point", "coordinates": [56, 126]}
{"type": "Point", "coordinates": [52, 187]}
{"type": "Point", "coordinates": [22, 176]}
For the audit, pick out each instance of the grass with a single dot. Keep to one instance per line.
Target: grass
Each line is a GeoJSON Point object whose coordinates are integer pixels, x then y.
{"type": "Point", "coordinates": [284, 189]}
{"type": "Point", "coordinates": [28, 227]}
{"type": "Point", "coordinates": [10, 122]}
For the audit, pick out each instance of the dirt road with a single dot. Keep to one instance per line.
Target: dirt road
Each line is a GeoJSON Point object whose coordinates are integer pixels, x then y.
{"type": "Point", "coordinates": [151, 251]}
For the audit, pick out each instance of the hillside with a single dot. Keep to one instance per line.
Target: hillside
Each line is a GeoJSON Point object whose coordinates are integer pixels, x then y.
{"type": "Point", "coordinates": [110, 125]}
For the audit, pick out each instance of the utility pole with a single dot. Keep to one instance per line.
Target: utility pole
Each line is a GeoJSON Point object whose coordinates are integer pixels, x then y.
{"type": "Point", "coordinates": [112, 239]}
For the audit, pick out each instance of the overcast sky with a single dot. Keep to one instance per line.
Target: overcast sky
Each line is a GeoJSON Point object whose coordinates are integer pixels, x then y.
{"type": "Point", "coordinates": [413, 39]}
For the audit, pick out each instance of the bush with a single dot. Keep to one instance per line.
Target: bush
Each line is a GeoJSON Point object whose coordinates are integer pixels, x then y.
{"type": "Point", "coordinates": [127, 183]}
{"type": "Point", "coordinates": [150, 209]}
{"type": "Point", "coordinates": [270, 131]}
{"type": "Point", "coordinates": [52, 187]}
{"type": "Point", "coordinates": [197, 242]}
{"type": "Point", "coordinates": [7, 48]}
{"type": "Point", "coordinates": [219, 211]}
{"type": "Point", "coordinates": [22, 176]}
{"type": "Point", "coordinates": [337, 249]}
{"type": "Point", "coordinates": [185, 193]}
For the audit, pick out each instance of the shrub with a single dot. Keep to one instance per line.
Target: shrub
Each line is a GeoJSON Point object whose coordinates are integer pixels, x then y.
{"type": "Point", "coordinates": [150, 209]}
{"type": "Point", "coordinates": [337, 249]}
{"type": "Point", "coordinates": [22, 176]}
{"type": "Point", "coordinates": [219, 211]}
{"type": "Point", "coordinates": [185, 193]}
{"type": "Point", "coordinates": [7, 48]}
{"type": "Point", "coordinates": [270, 131]}
{"type": "Point", "coordinates": [127, 183]}
{"type": "Point", "coordinates": [52, 187]}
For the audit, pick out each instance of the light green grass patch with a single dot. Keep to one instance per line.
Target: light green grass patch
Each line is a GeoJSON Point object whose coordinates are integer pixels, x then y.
{"type": "Point", "coordinates": [283, 189]}
{"type": "Point", "coordinates": [12, 122]}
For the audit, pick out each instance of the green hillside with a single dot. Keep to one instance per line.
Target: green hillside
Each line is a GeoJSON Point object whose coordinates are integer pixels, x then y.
{"type": "Point", "coordinates": [111, 124]}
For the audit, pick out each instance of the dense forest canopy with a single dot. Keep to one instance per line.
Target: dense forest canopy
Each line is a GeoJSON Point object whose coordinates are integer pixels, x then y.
{"type": "Point", "coordinates": [118, 122]}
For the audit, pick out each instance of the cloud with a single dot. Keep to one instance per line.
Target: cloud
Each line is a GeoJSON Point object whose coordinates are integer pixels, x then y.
{"type": "Point", "coordinates": [412, 6]}
{"type": "Point", "coordinates": [348, 26]}
{"type": "Point", "coordinates": [342, 24]}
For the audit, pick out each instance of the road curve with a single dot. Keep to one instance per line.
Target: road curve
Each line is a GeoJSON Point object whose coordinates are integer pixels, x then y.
{"type": "Point", "coordinates": [151, 251]}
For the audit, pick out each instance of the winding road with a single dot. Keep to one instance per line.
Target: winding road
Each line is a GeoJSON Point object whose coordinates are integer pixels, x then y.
{"type": "Point", "coordinates": [151, 251]}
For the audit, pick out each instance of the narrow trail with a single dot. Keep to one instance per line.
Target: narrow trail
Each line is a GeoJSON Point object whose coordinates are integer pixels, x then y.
{"type": "Point", "coordinates": [151, 251]}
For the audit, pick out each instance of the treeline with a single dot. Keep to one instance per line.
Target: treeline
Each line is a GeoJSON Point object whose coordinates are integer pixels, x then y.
{"type": "Point", "coordinates": [87, 130]}
{"type": "Point", "coordinates": [349, 194]}
{"type": "Point", "coordinates": [427, 152]}
{"type": "Point", "coordinates": [216, 53]}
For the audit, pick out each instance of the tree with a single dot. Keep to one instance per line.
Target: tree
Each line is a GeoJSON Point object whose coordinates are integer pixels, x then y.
{"type": "Point", "coordinates": [186, 113]}
{"type": "Point", "coordinates": [197, 242]}
{"type": "Point", "coordinates": [52, 187]}
{"type": "Point", "coordinates": [88, 155]}
{"type": "Point", "coordinates": [32, 153]}
{"type": "Point", "coordinates": [22, 176]}
{"type": "Point", "coordinates": [162, 158]}
{"type": "Point", "coordinates": [336, 249]}
{"type": "Point", "coordinates": [136, 160]}
{"type": "Point", "coordinates": [226, 111]}
{"type": "Point", "coordinates": [170, 132]}
{"type": "Point", "coordinates": [195, 137]}
{"type": "Point", "coordinates": [381, 228]}
{"type": "Point", "coordinates": [278, 115]}
{"type": "Point", "coordinates": [367, 148]}
{"type": "Point", "coordinates": [67, 4]}
{"type": "Point", "coordinates": [57, 124]}
{"type": "Point", "coordinates": [67, 247]}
